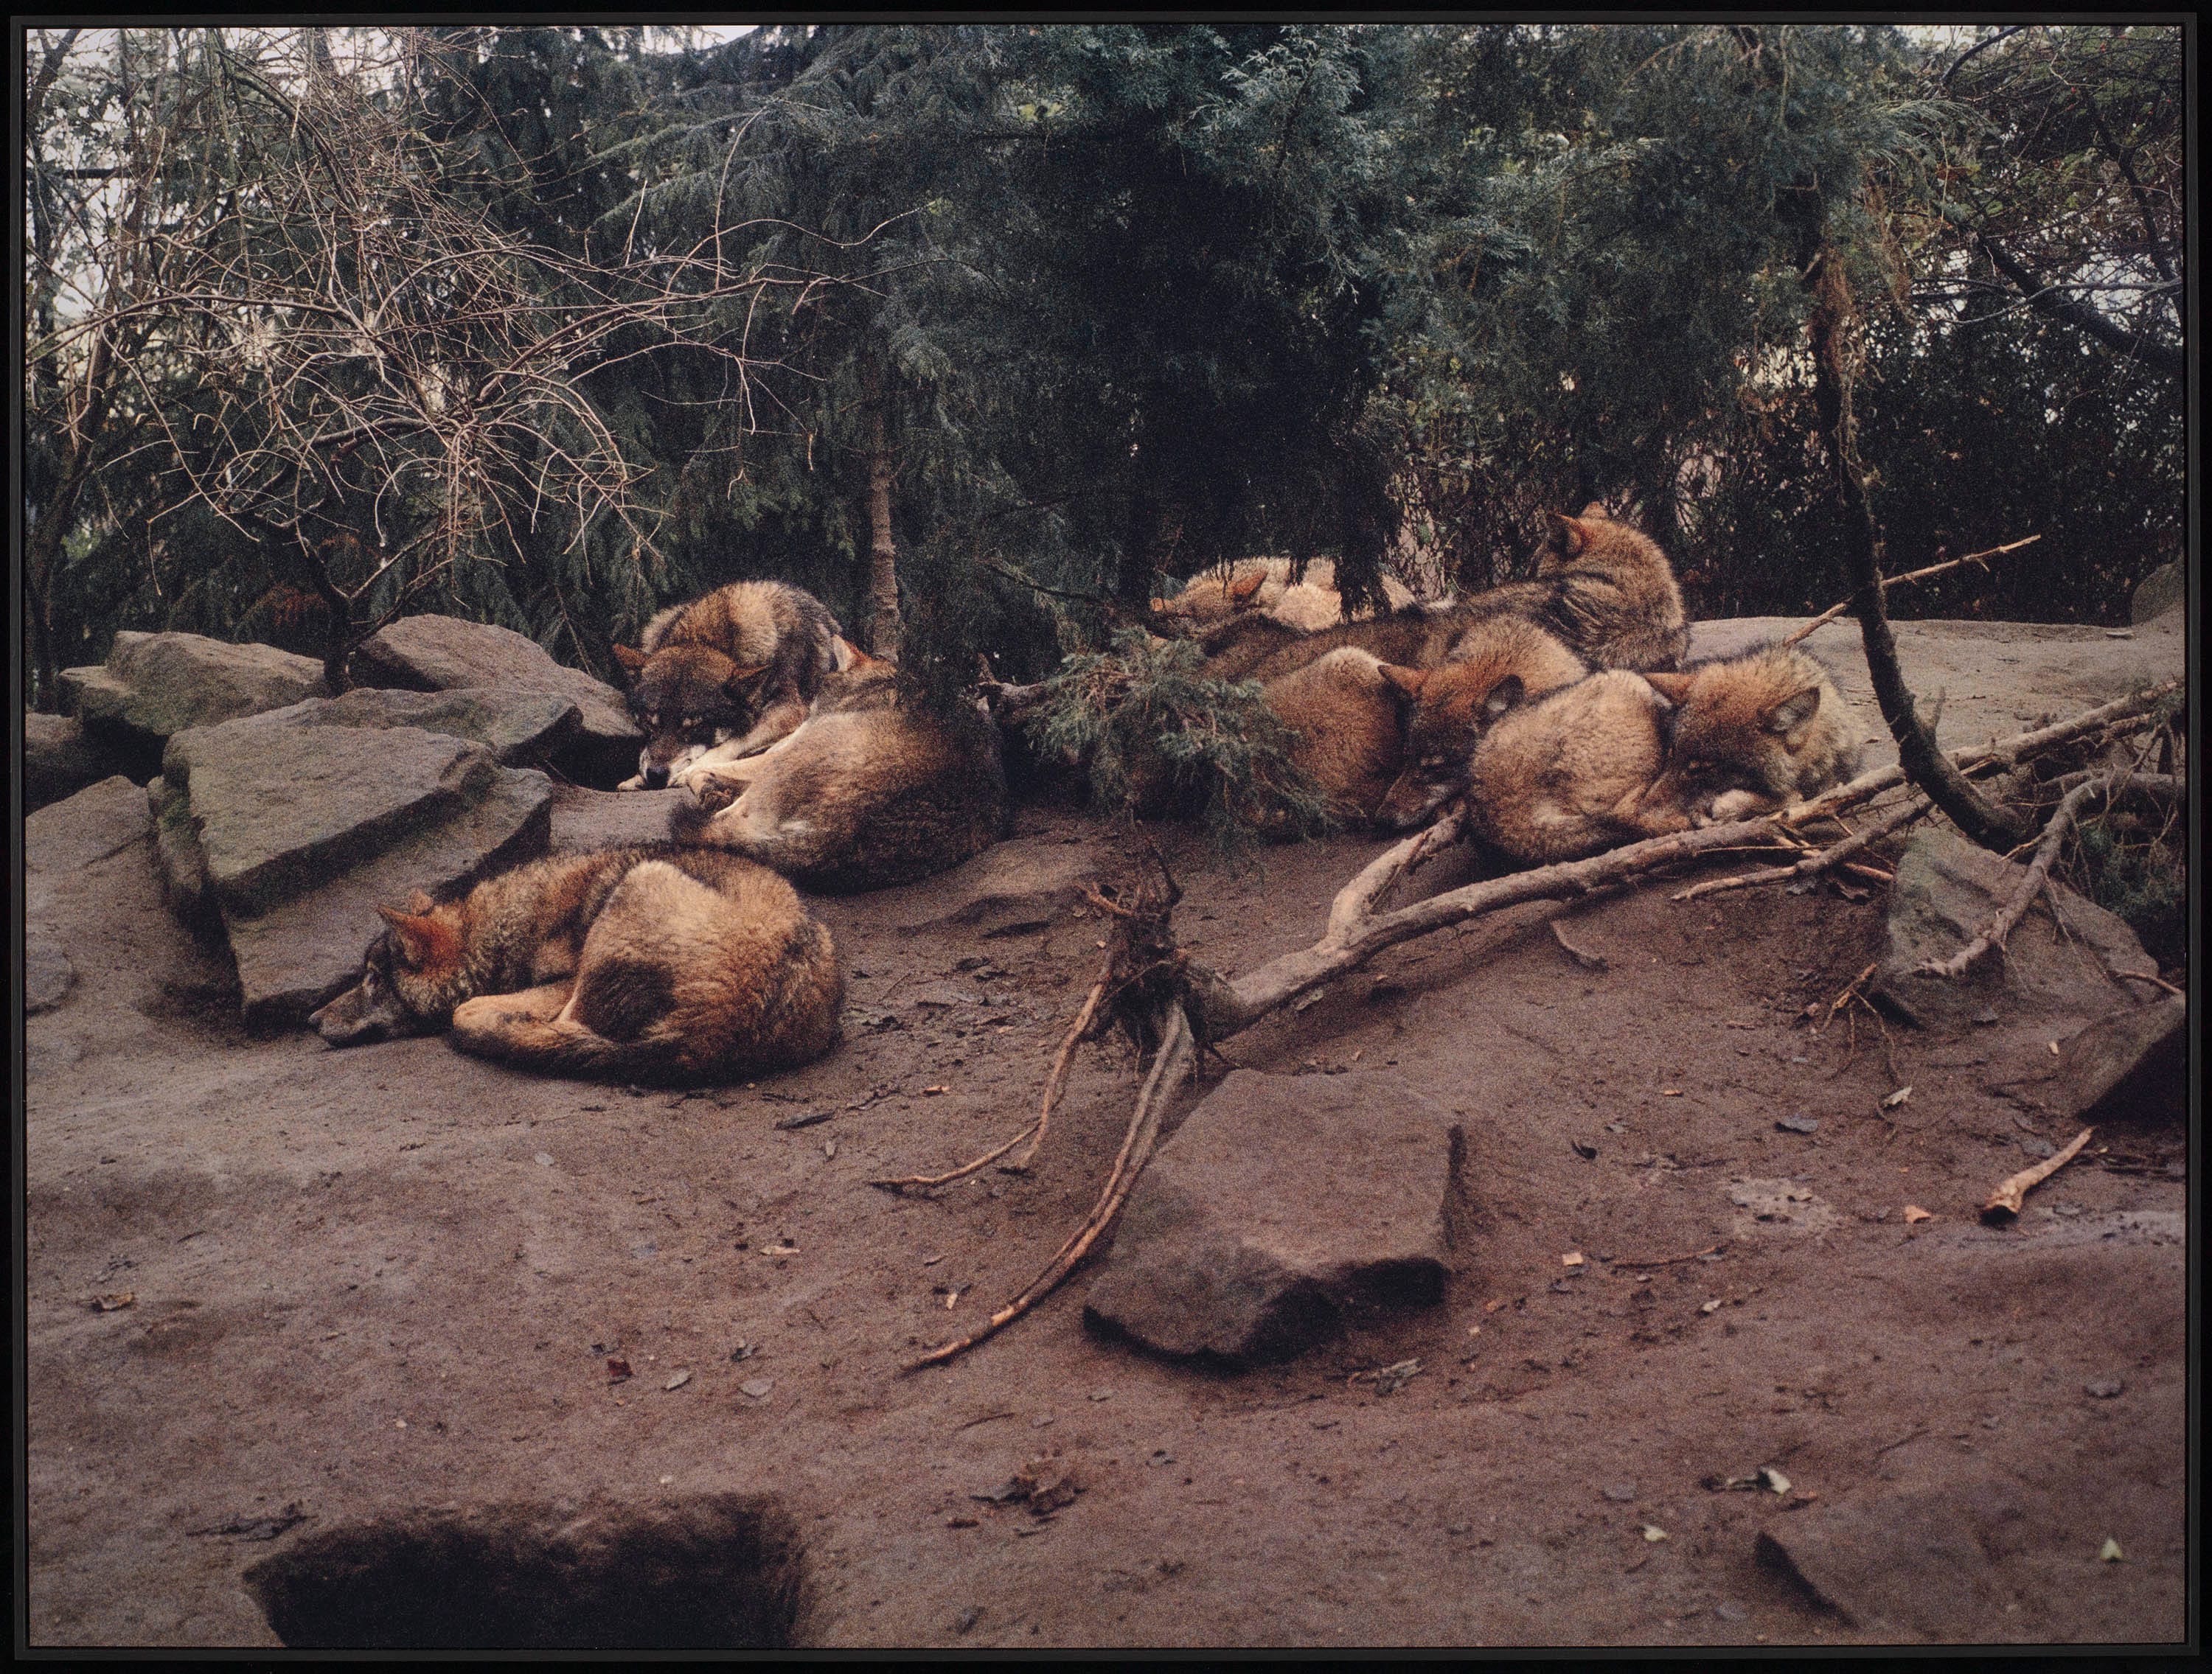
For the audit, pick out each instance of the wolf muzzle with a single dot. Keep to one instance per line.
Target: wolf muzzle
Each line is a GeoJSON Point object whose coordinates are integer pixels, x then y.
{"type": "Point", "coordinates": [359, 1016]}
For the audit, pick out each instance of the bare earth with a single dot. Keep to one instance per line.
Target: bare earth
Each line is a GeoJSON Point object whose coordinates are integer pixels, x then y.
{"type": "Point", "coordinates": [392, 1277]}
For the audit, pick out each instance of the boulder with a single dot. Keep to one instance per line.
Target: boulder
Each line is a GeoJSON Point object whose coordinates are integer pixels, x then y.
{"type": "Point", "coordinates": [153, 686]}
{"type": "Point", "coordinates": [1906, 1566]}
{"type": "Point", "coordinates": [286, 832]}
{"type": "Point", "coordinates": [1947, 890]}
{"type": "Point", "coordinates": [2130, 1066]}
{"type": "Point", "coordinates": [1019, 885]}
{"type": "Point", "coordinates": [2165, 588]}
{"type": "Point", "coordinates": [1280, 1203]}
{"type": "Point", "coordinates": [59, 759]}
{"type": "Point", "coordinates": [47, 973]}
{"type": "Point", "coordinates": [434, 653]}
{"type": "Point", "coordinates": [520, 728]}
{"type": "Point", "coordinates": [99, 821]}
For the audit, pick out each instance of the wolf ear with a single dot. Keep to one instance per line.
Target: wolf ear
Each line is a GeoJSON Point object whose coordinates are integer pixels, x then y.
{"type": "Point", "coordinates": [1502, 696]}
{"type": "Point", "coordinates": [1674, 688]}
{"type": "Point", "coordinates": [630, 657]}
{"type": "Point", "coordinates": [420, 902]}
{"type": "Point", "coordinates": [739, 679]}
{"type": "Point", "coordinates": [1794, 710]}
{"type": "Point", "coordinates": [1571, 535]}
{"type": "Point", "coordinates": [1159, 604]}
{"type": "Point", "coordinates": [1408, 681]}
{"type": "Point", "coordinates": [420, 934]}
{"type": "Point", "coordinates": [1595, 509]}
{"type": "Point", "coordinates": [1244, 586]}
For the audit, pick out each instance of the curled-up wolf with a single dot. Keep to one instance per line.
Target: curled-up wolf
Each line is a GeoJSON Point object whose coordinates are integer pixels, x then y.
{"type": "Point", "coordinates": [871, 789]}
{"type": "Point", "coordinates": [1605, 589]}
{"type": "Point", "coordinates": [727, 675]}
{"type": "Point", "coordinates": [647, 963]}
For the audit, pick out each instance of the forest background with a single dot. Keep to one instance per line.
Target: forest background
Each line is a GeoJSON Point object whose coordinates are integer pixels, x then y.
{"type": "Point", "coordinates": [984, 332]}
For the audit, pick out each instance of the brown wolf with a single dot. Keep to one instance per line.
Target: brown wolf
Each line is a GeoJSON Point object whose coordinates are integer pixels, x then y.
{"type": "Point", "coordinates": [1606, 590]}
{"type": "Point", "coordinates": [647, 962]}
{"type": "Point", "coordinates": [1499, 661]}
{"type": "Point", "coordinates": [1262, 586]}
{"type": "Point", "coordinates": [1569, 775]}
{"type": "Point", "coordinates": [1347, 717]}
{"type": "Point", "coordinates": [1417, 635]}
{"type": "Point", "coordinates": [871, 790]}
{"type": "Point", "coordinates": [1753, 733]}
{"type": "Point", "coordinates": [732, 672]}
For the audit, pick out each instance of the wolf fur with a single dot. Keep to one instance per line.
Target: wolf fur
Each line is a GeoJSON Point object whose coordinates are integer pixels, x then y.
{"type": "Point", "coordinates": [1417, 635]}
{"type": "Point", "coordinates": [730, 673]}
{"type": "Point", "coordinates": [1754, 733]}
{"type": "Point", "coordinates": [1499, 661]}
{"type": "Point", "coordinates": [645, 962]}
{"type": "Point", "coordinates": [871, 791]}
{"type": "Point", "coordinates": [1263, 587]}
{"type": "Point", "coordinates": [1569, 775]}
{"type": "Point", "coordinates": [1605, 589]}
{"type": "Point", "coordinates": [1347, 717]}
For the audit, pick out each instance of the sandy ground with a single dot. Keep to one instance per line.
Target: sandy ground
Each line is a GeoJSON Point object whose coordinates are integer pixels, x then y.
{"type": "Point", "coordinates": [392, 1277]}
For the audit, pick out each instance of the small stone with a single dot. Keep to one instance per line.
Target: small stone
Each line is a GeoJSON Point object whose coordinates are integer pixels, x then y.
{"type": "Point", "coordinates": [757, 1388]}
{"type": "Point", "coordinates": [1729, 1612]}
{"type": "Point", "coordinates": [2103, 1389]}
{"type": "Point", "coordinates": [1798, 1123]}
{"type": "Point", "coordinates": [1621, 1493]}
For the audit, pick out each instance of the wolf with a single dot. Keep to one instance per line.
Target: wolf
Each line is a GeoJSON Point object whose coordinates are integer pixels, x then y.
{"type": "Point", "coordinates": [645, 962]}
{"type": "Point", "coordinates": [1500, 662]}
{"type": "Point", "coordinates": [1754, 733]}
{"type": "Point", "coordinates": [1263, 587]}
{"type": "Point", "coordinates": [1347, 717]}
{"type": "Point", "coordinates": [731, 672]}
{"type": "Point", "coordinates": [1605, 589]}
{"type": "Point", "coordinates": [1417, 635]}
{"type": "Point", "coordinates": [871, 789]}
{"type": "Point", "coordinates": [1570, 775]}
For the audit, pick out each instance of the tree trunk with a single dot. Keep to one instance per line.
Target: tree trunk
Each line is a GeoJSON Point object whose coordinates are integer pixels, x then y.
{"type": "Point", "coordinates": [1925, 765]}
{"type": "Point", "coordinates": [1132, 581]}
{"type": "Point", "coordinates": [883, 628]}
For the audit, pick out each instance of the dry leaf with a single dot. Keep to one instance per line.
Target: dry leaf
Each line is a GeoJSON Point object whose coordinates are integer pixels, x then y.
{"type": "Point", "coordinates": [618, 1370]}
{"type": "Point", "coordinates": [2112, 1553]}
{"type": "Point", "coordinates": [928, 1091]}
{"type": "Point", "coordinates": [1654, 1532]}
{"type": "Point", "coordinates": [114, 1300]}
{"type": "Point", "coordinates": [1896, 1098]}
{"type": "Point", "coordinates": [1573, 1260]}
{"type": "Point", "coordinates": [1914, 1214]}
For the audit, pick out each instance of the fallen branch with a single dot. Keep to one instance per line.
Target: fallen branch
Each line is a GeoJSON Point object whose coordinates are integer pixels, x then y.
{"type": "Point", "coordinates": [1851, 993]}
{"type": "Point", "coordinates": [1668, 1261]}
{"type": "Point", "coordinates": [2004, 1203]}
{"type": "Point", "coordinates": [1904, 814]}
{"type": "Point", "coordinates": [1176, 1056]}
{"type": "Point", "coordinates": [1889, 581]}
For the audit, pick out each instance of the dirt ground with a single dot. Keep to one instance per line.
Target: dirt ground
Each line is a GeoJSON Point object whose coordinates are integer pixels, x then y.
{"type": "Point", "coordinates": [392, 1277]}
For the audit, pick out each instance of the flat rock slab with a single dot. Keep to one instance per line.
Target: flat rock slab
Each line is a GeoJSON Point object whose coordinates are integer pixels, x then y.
{"type": "Point", "coordinates": [708, 1571]}
{"type": "Point", "coordinates": [1922, 1566]}
{"type": "Point", "coordinates": [47, 973]}
{"type": "Point", "coordinates": [1947, 890]}
{"type": "Point", "coordinates": [434, 654]}
{"type": "Point", "coordinates": [153, 686]}
{"type": "Point", "coordinates": [520, 728]}
{"type": "Point", "coordinates": [584, 819]}
{"type": "Point", "coordinates": [97, 821]}
{"type": "Point", "coordinates": [1279, 1202]}
{"type": "Point", "coordinates": [1019, 885]}
{"type": "Point", "coordinates": [279, 808]}
{"type": "Point", "coordinates": [296, 955]}
{"type": "Point", "coordinates": [59, 759]}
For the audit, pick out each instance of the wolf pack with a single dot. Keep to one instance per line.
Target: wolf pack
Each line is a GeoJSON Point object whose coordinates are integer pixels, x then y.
{"type": "Point", "coordinates": [1557, 710]}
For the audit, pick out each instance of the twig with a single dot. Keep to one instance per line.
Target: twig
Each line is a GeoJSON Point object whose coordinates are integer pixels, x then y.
{"type": "Point", "coordinates": [2004, 1203]}
{"type": "Point", "coordinates": [1891, 1446]}
{"type": "Point", "coordinates": [1058, 1079]}
{"type": "Point", "coordinates": [1904, 814]}
{"type": "Point", "coordinates": [1993, 934]}
{"type": "Point", "coordinates": [1669, 1261]}
{"type": "Point", "coordinates": [1836, 610]}
{"type": "Point", "coordinates": [1170, 1065]}
{"type": "Point", "coordinates": [1851, 993]}
{"type": "Point", "coordinates": [1582, 956]}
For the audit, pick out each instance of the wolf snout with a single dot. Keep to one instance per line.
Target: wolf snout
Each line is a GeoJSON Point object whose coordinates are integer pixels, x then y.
{"type": "Point", "coordinates": [656, 779]}
{"type": "Point", "coordinates": [348, 1021]}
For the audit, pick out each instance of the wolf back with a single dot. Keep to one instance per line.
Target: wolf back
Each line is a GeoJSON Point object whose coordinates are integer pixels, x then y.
{"type": "Point", "coordinates": [735, 669]}
{"type": "Point", "coordinates": [647, 962]}
{"type": "Point", "coordinates": [1606, 590]}
{"type": "Point", "coordinates": [871, 791]}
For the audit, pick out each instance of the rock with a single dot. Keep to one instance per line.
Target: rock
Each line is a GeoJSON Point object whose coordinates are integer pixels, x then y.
{"type": "Point", "coordinates": [520, 728]}
{"type": "Point", "coordinates": [1947, 890]}
{"type": "Point", "coordinates": [2130, 1065]}
{"type": "Point", "coordinates": [1922, 1565]}
{"type": "Point", "coordinates": [294, 957]}
{"type": "Point", "coordinates": [47, 973]}
{"type": "Point", "coordinates": [59, 759]}
{"type": "Point", "coordinates": [287, 831]}
{"type": "Point", "coordinates": [584, 820]}
{"type": "Point", "coordinates": [434, 653]}
{"type": "Point", "coordinates": [705, 1571]}
{"type": "Point", "coordinates": [1248, 1235]}
{"type": "Point", "coordinates": [155, 686]}
{"type": "Point", "coordinates": [101, 820]}
{"type": "Point", "coordinates": [1019, 885]}
{"type": "Point", "coordinates": [2165, 588]}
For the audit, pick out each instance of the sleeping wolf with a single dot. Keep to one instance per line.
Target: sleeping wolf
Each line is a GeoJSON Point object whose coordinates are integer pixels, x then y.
{"type": "Point", "coordinates": [1347, 718]}
{"type": "Point", "coordinates": [1263, 587]}
{"type": "Point", "coordinates": [1498, 663]}
{"type": "Point", "coordinates": [647, 962]}
{"type": "Point", "coordinates": [1606, 590]}
{"type": "Point", "coordinates": [869, 791]}
{"type": "Point", "coordinates": [731, 672]}
{"type": "Point", "coordinates": [1753, 733]}
{"type": "Point", "coordinates": [1569, 775]}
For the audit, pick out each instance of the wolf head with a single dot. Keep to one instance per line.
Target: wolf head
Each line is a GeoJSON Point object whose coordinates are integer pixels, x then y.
{"type": "Point", "coordinates": [1497, 663]}
{"type": "Point", "coordinates": [687, 699]}
{"type": "Point", "coordinates": [1751, 733]}
{"type": "Point", "coordinates": [412, 976]}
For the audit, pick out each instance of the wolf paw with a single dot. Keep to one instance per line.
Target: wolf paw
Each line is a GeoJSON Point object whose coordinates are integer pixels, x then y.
{"type": "Point", "coordinates": [713, 791]}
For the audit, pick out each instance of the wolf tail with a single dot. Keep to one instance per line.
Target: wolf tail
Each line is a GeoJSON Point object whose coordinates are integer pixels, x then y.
{"type": "Point", "coordinates": [488, 1028]}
